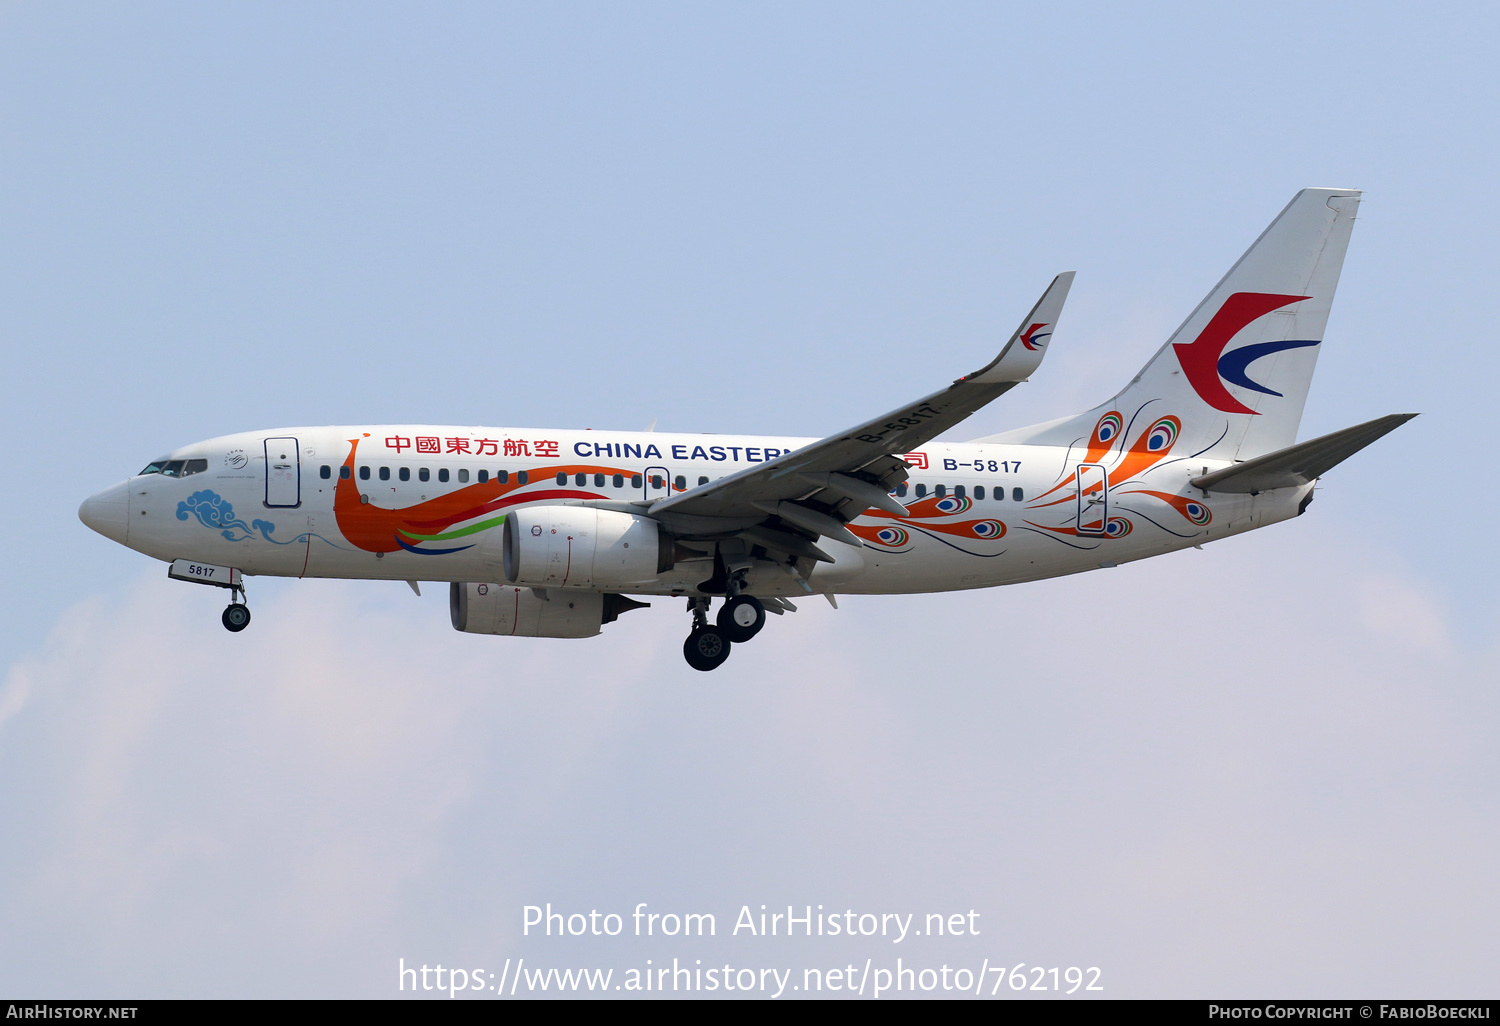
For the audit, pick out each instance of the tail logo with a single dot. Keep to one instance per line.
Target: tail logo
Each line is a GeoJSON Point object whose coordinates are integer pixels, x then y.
{"type": "Point", "coordinates": [1032, 337]}
{"type": "Point", "coordinates": [1208, 367]}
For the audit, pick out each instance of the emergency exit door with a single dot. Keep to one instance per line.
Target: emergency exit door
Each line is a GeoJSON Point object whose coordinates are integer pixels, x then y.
{"type": "Point", "coordinates": [658, 484]}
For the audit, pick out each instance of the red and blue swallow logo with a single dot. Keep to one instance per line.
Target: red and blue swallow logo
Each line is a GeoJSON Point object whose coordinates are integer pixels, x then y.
{"type": "Point", "coordinates": [1032, 337]}
{"type": "Point", "coordinates": [1208, 367]}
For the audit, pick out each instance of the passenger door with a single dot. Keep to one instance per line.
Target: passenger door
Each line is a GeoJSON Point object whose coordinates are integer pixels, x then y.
{"type": "Point", "coordinates": [1093, 498]}
{"type": "Point", "coordinates": [283, 474]}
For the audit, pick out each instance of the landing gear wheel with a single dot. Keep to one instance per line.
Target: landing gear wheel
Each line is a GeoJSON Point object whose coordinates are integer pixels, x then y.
{"type": "Point", "coordinates": [706, 648]}
{"type": "Point", "coordinates": [741, 618]}
{"type": "Point", "coordinates": [236, 618]}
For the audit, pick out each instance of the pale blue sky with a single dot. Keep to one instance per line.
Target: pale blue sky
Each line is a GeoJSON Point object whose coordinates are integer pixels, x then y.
{"type": "Point", "coordinates": [767, 218]}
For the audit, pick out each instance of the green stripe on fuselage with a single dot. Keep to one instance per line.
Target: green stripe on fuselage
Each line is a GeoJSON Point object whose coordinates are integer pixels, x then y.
{"type": "Point", "coordinates": [483, 525]}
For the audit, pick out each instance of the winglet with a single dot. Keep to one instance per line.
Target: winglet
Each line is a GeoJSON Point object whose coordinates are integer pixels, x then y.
{"type": "Point", "coordinates": [1023, 354]}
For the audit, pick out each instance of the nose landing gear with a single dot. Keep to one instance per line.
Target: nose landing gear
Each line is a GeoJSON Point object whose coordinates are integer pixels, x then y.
{"type": "Point", "coordinates": [237, 616]}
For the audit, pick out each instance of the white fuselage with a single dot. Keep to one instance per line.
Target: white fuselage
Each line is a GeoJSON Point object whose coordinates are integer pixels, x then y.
{"type": "Point", "coordinates": [423, 503]}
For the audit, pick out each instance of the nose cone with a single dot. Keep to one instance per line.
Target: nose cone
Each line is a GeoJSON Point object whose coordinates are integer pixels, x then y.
{"type": "Point", "coordinates": [108, 512]}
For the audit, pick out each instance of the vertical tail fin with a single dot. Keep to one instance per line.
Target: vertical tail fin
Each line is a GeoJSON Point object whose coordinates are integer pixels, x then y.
{"type": "Point", "coordinates": [1235, 375]}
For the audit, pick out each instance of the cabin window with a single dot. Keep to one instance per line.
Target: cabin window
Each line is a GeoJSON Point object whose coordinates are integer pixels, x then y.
{"type": "Point", "coordinates": [502, 476]}
{"type": "Point", "coordinates": [484, 475]}
{"type": "Point", "coordinates": [562, 478]}
{"type": "Point", "coordinates": [580, 479]}
{"type": "Point", "coordinates": [325, 472]}
{"type": "Point", "coordinates": [521, 477]}
{"type": "Point", "coordinates": [979, 492]}
{"type": "Point", "coordinates": [344, 474]}
{"type": "Point", "coordinates": [958, 491]}
{"type": "Point", "coordinates": [656, 481]}
{"type": "Point", "coordinates": [364, 473]}
{"type": "Point", "coordinates": [1018, 495]}
{"type": "Point", "coordinates": [406, 473]}
{"type": "Point", "coordinates": [635, 480]}
{"type": "Point", "coordinates": [443, 475]}
{"type": "Point", "coordinates": [598, 480]}
{"type": "Point", "coordinates": [385, 473]}
{"type": "Point", "coordinates": [921, 490]}
{"type": "Point", "coordinates": [703, 480]}
{"type": "Point", "coordinates": [463, 475]}
{"type": "Point", "coordinates": [901, 490]}
{"type": "Point", "coordinates": [423, 474]}
{"type": "Point", "coordinates": [619, 481]}
{"type": "Point", "coordinates": [681, 483]}
{"type": "Point", "coordinates": [940, 491]}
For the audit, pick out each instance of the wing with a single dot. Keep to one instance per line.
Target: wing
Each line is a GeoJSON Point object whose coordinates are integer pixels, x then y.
{"type": "Point", "coordinates": [816, 490]}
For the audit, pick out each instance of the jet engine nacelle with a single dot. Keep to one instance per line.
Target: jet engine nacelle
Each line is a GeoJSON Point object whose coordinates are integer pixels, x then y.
{"type": "Point", "coordinates": [583, 547]}
{"type": "Point", "coordinates": [522, 613]}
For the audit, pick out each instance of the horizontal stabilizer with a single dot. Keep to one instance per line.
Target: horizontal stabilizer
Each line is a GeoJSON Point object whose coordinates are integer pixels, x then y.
{"type": "Point", "coordinates": [1302, 463]}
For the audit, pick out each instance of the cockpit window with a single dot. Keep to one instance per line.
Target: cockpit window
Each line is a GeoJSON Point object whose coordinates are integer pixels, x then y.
{"type": "Point", "coordinates": [175, 468]}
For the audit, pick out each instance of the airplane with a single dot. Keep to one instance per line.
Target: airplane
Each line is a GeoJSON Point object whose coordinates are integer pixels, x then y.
{"type": "Point", "coordinates": [555, 533]}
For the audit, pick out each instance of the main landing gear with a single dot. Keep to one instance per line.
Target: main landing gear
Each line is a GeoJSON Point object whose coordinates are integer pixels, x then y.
{"type": "Point", "coordinates": [740, 618]}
